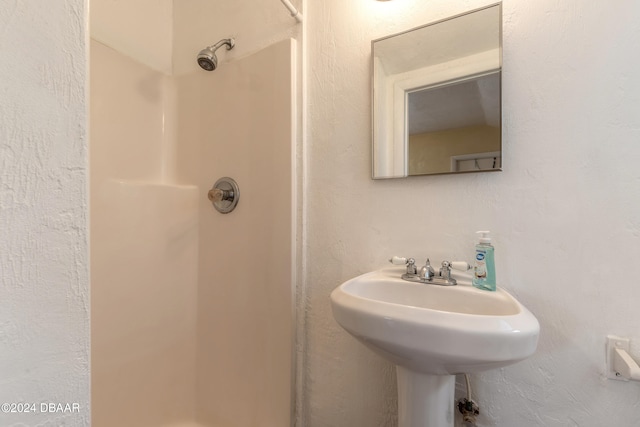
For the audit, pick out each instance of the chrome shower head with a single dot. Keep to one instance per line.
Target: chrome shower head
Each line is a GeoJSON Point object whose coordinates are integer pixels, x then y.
{"type": "Point", "coordinates": [207, 59]}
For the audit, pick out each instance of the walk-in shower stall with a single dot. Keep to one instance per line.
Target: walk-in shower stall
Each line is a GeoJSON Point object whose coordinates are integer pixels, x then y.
{"type": "Point", "coordinates": [192, 309]}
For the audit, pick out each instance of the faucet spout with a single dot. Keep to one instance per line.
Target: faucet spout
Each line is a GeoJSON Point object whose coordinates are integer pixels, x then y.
{"type": "Point", "coordinates": [427, 272]}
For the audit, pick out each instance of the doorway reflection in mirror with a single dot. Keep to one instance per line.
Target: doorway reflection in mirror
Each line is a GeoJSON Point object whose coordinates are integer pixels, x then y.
{"type": "Point", "coordinates": [455, 127]}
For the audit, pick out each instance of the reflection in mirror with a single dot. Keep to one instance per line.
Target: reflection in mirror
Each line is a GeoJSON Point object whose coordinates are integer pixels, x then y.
{"type": "Point", "coordinates": [455, 127]}
{"type": "Point", "coordinates": [437, 97]}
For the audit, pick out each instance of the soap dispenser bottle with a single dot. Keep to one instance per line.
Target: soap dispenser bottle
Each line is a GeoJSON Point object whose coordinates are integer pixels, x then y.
{"type": "Point", "coordinates": [484, 276]}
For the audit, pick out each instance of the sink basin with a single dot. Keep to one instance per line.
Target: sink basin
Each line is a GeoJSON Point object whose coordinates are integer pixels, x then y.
{"type": "Point", "coordinates": [431, 333]}
{"type": "Point", "coordinates": [441, 330]}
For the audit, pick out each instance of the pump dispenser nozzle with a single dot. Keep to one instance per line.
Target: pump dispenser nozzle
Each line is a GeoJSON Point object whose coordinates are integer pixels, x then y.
{"type": "Point", "coordinates": [484, 238]}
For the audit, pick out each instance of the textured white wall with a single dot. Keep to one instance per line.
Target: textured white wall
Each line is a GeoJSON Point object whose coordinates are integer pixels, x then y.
{"type": "Point", "coordinates": [44, 285]}
{"type": "Point", "coordinates": [564, 212]}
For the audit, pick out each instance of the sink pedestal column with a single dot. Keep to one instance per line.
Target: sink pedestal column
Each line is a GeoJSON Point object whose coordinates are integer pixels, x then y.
{"type": "Point", "coordinates": [425, 400]}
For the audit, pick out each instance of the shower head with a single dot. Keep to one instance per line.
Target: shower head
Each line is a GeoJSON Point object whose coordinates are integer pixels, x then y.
{"type": "Point", "coordinates": [207, 59]}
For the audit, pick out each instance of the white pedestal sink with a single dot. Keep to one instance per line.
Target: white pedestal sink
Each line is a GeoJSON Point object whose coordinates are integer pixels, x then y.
{"type": "Point", "coordinates": [431, 333]}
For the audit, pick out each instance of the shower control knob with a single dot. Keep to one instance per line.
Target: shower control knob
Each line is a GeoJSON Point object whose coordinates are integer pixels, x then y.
{"type": "Point", "coordinates": [218, 195]}
{"type": "Point", "coordinates": [224, 195]}
{"type": "Point", "coordinates": [215, 195]}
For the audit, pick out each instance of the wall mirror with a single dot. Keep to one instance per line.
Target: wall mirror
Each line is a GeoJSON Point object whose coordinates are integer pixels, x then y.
{"type": "Point", "coordinates": [437, 97]}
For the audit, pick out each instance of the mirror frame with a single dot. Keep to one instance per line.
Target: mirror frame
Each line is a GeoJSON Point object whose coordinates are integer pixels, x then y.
{"type": "Point", "coordinates": [393, 110]}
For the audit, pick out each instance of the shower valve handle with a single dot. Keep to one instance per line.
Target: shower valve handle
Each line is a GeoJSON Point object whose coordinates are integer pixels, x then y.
{"type": "Point", "coordinates": [218, 195]}
{"type": "Point", "coordinates": [224, 194]}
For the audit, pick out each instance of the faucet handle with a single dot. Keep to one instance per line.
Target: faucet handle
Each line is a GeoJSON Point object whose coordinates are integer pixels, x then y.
{"type": "Point", "coordinates": [410, 262]}
{"type": "Point", "coordinates": [460, 265]}
{"type": "Point", "coordinates": [411, 267]}
{"type": "Point", "coordinates": [397, 260]}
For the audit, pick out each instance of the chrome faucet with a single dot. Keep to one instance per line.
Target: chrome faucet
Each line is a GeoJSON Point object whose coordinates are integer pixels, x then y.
{"type": "Point", "coordinates": [427, 274]}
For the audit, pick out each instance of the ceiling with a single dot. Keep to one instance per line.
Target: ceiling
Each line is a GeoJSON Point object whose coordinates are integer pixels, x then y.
{"type": "Point", "coordinates": [471, 102]}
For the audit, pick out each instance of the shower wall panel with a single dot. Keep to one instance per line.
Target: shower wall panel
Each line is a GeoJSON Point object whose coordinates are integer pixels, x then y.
{"type": "Point", "coordinates": [144, 253]}
{"type": "Point", "coordinates": [238, 121]}
{"type": "Point", "coordinates": [141, 29]}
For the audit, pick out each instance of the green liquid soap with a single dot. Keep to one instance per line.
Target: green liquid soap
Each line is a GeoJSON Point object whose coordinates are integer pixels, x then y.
{"type": "Point", "coordinates": [484, 276]}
